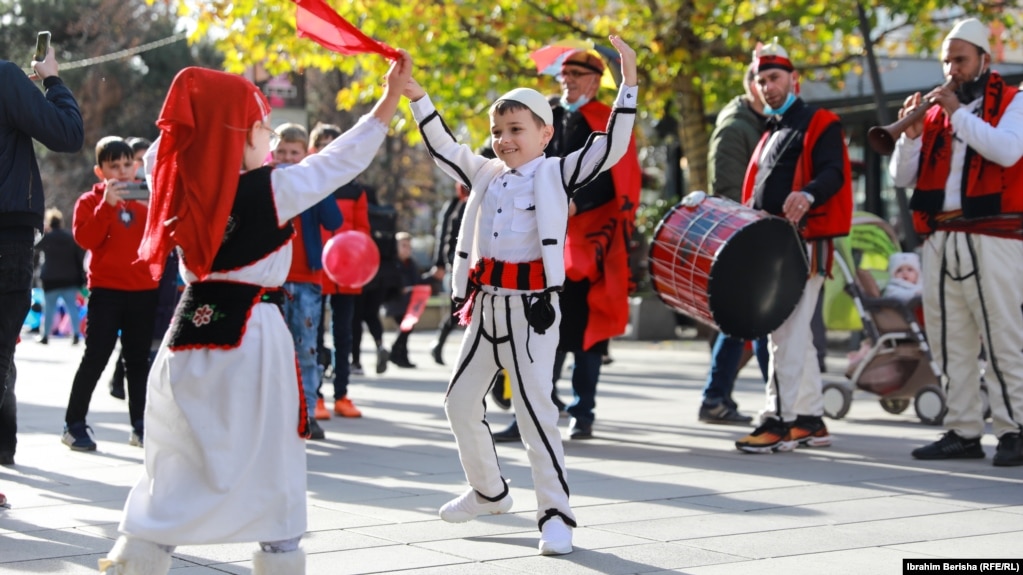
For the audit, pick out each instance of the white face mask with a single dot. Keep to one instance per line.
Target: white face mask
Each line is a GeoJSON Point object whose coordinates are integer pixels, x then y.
{"type": "Point", "coordinates": [140, 174]}
{"type": "Point", "coordinates": [574, 106]}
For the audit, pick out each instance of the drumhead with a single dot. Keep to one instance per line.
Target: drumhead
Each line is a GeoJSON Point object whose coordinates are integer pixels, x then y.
{"type": "Point", "coordinates": [758, 278]}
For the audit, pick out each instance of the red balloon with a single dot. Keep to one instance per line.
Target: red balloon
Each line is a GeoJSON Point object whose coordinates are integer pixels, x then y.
{"type": "Point", "coordinates": [351, 259]}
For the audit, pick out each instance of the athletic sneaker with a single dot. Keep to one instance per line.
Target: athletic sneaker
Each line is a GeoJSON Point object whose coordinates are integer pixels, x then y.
{"type": "Point", "coordinates": [555, 537]}
{"type": "Point", "coordinates": [356, 369]}
{"type": "Point", "coordinates": [345, 408]}
{"type": "Point", "coordinates": [769, 437]}
{"type": "Point", "coordinates": [951, 446]}
{"type": "Point", "coordinates": [1010, 451]}
{"type": "Point", "coordinates": [807, 431]}
{"type": "Point", "coordinates": [470, 505]}
{"type": "Point", "coordinates": [137, 434]}
{"type": "Point", "coordinates": [320, 411]}
{"type": "Point", "coordinates": [723, 414]}
{"type": "Point", "coordinates": [76, 436]}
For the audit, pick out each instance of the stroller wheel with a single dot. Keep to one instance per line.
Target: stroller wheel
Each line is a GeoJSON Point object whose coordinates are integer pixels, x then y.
{"type": "Point", "coordinates": [894, 406]}
{"type": "Point", "coordinates": [930, 405]}
{"type": "Point", "coordinates": [837, 400]}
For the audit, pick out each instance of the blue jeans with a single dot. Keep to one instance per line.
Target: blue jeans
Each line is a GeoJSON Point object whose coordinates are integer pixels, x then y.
{"type": "Point", "coordinates": [724, 367]}
{"type": "Point", "coordinates": [50, 298]}
{"type": "Point", "coordinates": [342, 309]}
{"type": "Point", "coordinates": [585, 375]}
{"type": "Point", "coordinates": [303, 312]}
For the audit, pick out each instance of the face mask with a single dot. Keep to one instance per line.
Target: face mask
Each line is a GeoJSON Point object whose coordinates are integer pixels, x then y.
{"type": "Point", "coordinates": [970, 91]}
{"type": "Point", "coordinates": [574, 106]}
{"type": "Point", "coordinates": [788, 102]}
{"type": "Point", "coordinates": [140, 174]}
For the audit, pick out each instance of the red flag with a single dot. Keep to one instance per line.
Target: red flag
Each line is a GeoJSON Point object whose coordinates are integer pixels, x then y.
{"type": "Point", "coordinates": [318, 22]}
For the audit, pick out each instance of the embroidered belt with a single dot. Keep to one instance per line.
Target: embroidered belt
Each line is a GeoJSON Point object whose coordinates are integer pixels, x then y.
{"type": "Point", "coordinates": [213, 314]}
{"type": "Point", "coordinates": [526, 276]}
{"type": "Point", "coordinates": [1008, 226]}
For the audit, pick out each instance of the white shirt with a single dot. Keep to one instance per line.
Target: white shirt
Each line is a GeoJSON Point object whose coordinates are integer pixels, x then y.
{"type": "Point", "coordinates": [507, 224]}
{"type": "Point", "coordinates": [1002, 144]}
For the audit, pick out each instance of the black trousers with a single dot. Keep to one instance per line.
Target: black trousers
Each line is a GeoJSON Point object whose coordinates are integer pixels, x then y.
{"type": "Point", "coordinates": [132, 313]}
{"type": "Point", "coordinates": [15, 300]}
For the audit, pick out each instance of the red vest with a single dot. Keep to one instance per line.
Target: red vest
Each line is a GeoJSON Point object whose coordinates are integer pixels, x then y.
{"type": "Point", "coordinates": [990, 189]}
{"type": "Point", "coordinates": [831, 219]}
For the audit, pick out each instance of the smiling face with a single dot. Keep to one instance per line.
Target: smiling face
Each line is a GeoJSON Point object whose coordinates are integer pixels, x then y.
{"type": "Point", "coordinates": [518, 136]}
{"type": "Point", "coordinates": [774, 85]}
{"type": "Point", "coordinates": [289, 152]}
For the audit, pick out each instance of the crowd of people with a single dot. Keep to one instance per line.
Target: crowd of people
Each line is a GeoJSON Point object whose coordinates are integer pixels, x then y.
{"type": "Point", "coordinates": [535, 241]}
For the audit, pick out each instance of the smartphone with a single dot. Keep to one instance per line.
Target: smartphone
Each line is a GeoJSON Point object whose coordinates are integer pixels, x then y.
{"type": "Point", "coordinates": [42, 46]}
{"type": "Point", "coordinates": [135, 191]}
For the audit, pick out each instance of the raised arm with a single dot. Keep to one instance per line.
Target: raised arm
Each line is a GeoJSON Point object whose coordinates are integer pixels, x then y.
{"type": "Point", "coordinates": [603, 149]}
{"type": "Point", "coordinates": [456, 160]}
{"type": "Point", "coordinates": [303, 185]}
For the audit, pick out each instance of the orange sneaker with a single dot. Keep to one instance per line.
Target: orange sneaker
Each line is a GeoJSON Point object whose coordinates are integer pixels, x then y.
{"type": "Point", "coordinates": [345, 408]}
{"type": "Point", "coordinates": [320, 412]}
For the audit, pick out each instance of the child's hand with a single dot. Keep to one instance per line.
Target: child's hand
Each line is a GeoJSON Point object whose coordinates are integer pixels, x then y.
{"type": "Point", "coordinates": [114, 192]}
{"type": "Point", "coordinates": [399, 73]}
{"type": "Point", "coordinates": [628, 56]}
{"type": "Point", "coordinates": [413, 91]}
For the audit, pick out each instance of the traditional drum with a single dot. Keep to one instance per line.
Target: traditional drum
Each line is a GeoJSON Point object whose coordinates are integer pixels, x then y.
{"type": "Point", "coordinates": [729, 266]}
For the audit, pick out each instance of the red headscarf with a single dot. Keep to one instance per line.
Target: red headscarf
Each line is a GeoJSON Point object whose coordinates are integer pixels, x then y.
{"type": "Point", "coordinates": [203, 129]}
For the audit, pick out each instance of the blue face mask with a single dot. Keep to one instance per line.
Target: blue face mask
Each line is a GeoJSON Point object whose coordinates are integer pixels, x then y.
{"type": "Point", "coordinates": [574, 106]}
{"type": "Point", "coordinates": [788, 103]}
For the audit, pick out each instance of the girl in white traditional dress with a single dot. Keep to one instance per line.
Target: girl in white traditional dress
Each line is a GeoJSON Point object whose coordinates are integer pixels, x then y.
{"type": "Point", "coordinates": [224, 456]}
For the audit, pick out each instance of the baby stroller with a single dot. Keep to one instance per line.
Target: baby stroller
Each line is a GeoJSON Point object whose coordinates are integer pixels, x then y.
{"type": "Point", "coordinates": [897, 365]}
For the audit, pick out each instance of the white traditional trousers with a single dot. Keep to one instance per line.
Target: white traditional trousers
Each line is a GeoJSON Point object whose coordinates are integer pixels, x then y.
{"type": "Point", "coordinates": [497, 337]}
{"type": "Point", "coordinates": [793, 373]}
{"type": "Point", "coordinates": [973, 294]}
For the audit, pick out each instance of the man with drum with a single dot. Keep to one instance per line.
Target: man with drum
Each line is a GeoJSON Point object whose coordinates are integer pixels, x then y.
{"type": "Point", "coordinates": [737, 130]}
{"type": "Point", "coordinates": [963, 159]}
{"type": "Point", "coordinates": [799, 171]}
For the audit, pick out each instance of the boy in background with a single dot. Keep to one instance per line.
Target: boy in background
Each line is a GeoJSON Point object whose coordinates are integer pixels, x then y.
{"type": "Point", "coordinates": [122, 292]}
{"type": "Point", "coordinates": [303, 309]}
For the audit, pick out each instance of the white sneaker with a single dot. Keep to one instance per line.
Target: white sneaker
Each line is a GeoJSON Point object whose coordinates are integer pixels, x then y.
{"type": "Point", "coordinates": [470, 505]}
{"type": "Point", "coordinates": [555, 538]}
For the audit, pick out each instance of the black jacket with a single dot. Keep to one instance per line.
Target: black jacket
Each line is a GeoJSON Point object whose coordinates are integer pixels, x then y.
{"type": "Point", "coordinates": [62, 260]}
{"type": "Point", "coordinates": [25, 114]}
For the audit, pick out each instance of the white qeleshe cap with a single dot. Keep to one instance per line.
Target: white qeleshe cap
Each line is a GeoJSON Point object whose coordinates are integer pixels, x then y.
{"type": "Point", "coordinates": [531, 99]}
{"type": "Point", "coordinates": [972, 31]}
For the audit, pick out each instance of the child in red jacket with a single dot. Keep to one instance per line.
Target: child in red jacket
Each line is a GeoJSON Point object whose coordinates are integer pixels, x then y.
{"type": "Point", "coordinates": [123, 293]}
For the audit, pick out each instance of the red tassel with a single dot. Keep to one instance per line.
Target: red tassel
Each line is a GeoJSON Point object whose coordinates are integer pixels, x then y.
{"type": "Point", "coordinates": [464, 313]}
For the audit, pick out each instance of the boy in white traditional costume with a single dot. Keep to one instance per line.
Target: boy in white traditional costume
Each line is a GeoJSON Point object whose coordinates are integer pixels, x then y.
{"type": "Point", "coordinates": [509, 266]}
{"type": "Point", "coordinates": [224, 459]}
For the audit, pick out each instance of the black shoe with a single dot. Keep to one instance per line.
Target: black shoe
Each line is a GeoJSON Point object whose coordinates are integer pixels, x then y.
{"type": "Point", "coordinates": [497, 392]}
{"type": "Point", "coordinates": [510, 433]}
{"type": "Point", "coordinates": [723, 414]}
{"type": "Point", "coordinates": [382, 356]}
{"type": "Point", "coordinates": [402, 361]}
{"type": "Point", "coordinates": [951, 446]}
{"type": "Point", "coordinates": [116, 390]}
{"type": "Point", "coordinates": [43, 340]}
{"type": "Point", "coordinates": [580, 430]}
{"type": "Point", "coordinates": [315, 431]}
{"type": "Point", "coordinates": [1010, 451]}
{"type": "Point", "coordinates": [435, 353]}
{"type": "Point", "coordinates": [74, 341]}
{"type": "Point", "coordinates": [7, 458]}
